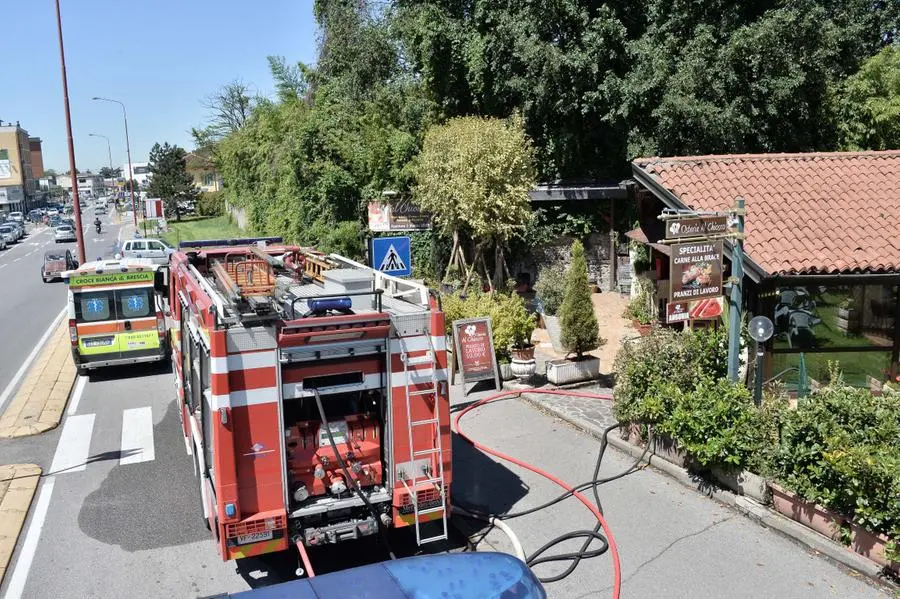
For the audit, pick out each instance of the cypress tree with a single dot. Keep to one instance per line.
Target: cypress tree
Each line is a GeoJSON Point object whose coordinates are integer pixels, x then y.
{"type": "Point", "coordinates": [580, 331]}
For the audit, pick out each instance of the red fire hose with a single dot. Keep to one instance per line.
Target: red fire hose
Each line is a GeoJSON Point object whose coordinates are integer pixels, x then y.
{"type": "Point", "coordinates": [613, 548]}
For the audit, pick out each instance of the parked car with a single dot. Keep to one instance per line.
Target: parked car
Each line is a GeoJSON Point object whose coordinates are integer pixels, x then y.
{"type": "Point", "coordinates": [17, 217]}
{"type": "Point", "coordinates": [63, 234]}
{"type": "Point", "coordinates": [3, 244]}
{"type": "Point", "coordinates": [55, 263]}
{"type": "Point", "coordinates": [155, 249]}
{"type": "Point", "coordinates": [9, 233]}
{"type": "Point", "coordinates": [19, 227]}
{"type": "Point", "coordinates": [100, 209]}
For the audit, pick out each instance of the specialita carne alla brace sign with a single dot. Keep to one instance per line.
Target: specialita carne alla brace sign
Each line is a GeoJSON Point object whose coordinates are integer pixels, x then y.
{"type": "Point", "coordinates": [695, 271]}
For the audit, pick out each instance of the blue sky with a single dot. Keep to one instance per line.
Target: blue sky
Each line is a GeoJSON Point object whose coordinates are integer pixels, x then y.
{"type": "Point", "coordinates": [159, 57]}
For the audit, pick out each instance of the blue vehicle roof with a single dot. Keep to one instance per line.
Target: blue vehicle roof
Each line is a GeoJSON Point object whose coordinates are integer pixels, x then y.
{"type": "Point", "coordinates": [484, 575]}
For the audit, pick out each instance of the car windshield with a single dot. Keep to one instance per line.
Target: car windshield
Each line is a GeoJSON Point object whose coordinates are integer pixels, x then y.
{"type": "Point", "coordinates": [6, 229]}
{"type": "Point", "coordinates": [54, 256]}
{"type": "Point", "coordinates": [64, 228]}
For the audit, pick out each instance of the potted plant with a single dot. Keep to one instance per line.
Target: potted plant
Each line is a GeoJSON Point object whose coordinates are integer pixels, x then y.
{"type": "Point", "coordinates": [549, 289]}
{"type": "Point", "coordinates": [513, 329]}
{"type": "Point", "coordinates": [641, 307]}
{"type": "Point", "coordinates": [580, 331]}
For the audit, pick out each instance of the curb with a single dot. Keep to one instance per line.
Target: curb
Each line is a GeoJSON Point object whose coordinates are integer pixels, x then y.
{"type": "Point", "coordinates": [18, 484]}
{"type": "Point", "coordinates": [42, 397]}
{"type": "Point", "coordinates": [752, 509]}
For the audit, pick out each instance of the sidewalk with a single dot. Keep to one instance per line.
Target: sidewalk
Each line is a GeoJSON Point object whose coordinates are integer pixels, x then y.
{"type": "Point", "coordinates": [18, 482]}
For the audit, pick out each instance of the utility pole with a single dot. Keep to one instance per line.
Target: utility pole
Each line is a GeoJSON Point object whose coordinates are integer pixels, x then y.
{"type": "Point", "coordinates": [79, 231]}
{"type": "Point", "coordinates": [130, 179]}
{"type": "Point", "coordinates": [735, 298]}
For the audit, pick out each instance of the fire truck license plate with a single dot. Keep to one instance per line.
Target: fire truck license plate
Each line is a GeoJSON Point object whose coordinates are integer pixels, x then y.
{"type": "Point", "coordinates": [254, 537]}
{"type": "Point", "coordinates": [98, 342]}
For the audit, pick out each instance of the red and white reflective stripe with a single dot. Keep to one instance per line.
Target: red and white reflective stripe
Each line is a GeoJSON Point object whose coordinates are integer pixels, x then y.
{"type": "Point", "coordinates": [243, 361]}
{"type": "Point", "coordinates": [239, 399]}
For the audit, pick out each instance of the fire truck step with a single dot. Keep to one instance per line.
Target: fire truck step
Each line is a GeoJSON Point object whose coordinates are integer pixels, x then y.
{"type": "Point", "coordinates": [424, 452]}
{"type": "Point", "coordinates": [431, 510]}
{"type": "Point", "coordinates": [422, 392]}
{"type": "Point", "coordinates": [421, 422]}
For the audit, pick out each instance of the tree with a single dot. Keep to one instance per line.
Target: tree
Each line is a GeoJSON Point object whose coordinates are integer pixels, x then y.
{"type": "Point", "coordinates": [869, 104]}
{"type": "Point", "coordinates": [474, 175]}
{"type": "Point", "coordinates": [49, 172]}
{"type": "Point", "coordinates": [170, 179]}
{"type": "Point", "coordinates": [228, 110]}
{"type": "Point", "coordinates": [110, 173]}
{"type": "Point", "coordinates": [580, 331]}
{"type": "Point", "coordinates": [132, 185]}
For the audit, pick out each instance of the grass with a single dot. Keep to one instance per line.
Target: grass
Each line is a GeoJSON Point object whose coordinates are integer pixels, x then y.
{"type": "Point", "coordinates": [199, 227]}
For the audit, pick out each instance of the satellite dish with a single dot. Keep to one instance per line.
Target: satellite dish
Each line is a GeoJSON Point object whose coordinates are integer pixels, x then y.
{"type": "Point", "coordinates": [760, 329]}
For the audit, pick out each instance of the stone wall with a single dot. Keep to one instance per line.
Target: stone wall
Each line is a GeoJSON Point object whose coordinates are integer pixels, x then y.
{"type": "Point", "coordinates": [596, 249]}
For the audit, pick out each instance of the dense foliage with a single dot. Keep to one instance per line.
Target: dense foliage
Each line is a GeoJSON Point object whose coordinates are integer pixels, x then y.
{"type": "Point", "coordinates": [839, 449]}
{"type": "Point", "coordinates": [550, 288]}
{"type": "Point", "coordinates": [592, 85]}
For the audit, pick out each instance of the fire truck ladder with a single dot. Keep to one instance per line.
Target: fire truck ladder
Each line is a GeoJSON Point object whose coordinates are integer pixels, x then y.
{"type": "Point", "coordinates": [427, 475]}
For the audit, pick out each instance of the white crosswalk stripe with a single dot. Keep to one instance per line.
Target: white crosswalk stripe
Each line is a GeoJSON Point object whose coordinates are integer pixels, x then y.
{"type": "Point", "coordinates": [74, 445]}
{"type": "Point", "coordinates": [137, 436]}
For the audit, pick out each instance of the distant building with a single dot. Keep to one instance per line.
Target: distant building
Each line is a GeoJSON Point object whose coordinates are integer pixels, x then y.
{"type": "Point", "coordinates": [46, 182]}
{"type": "Point", "coordinates": [37, 157]}
{"type": "Point", "coordinates": [89, 184]}
{"type": "Point", "coordinates": [140, 172]}
{"type": "Point", "coordinates": [199, 165]}
{"type": "Point", "coordinates": [17, 183]}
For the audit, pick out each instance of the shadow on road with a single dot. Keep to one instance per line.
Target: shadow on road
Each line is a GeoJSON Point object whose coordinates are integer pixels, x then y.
{"type": "Point", "coordinates": [129, 371]}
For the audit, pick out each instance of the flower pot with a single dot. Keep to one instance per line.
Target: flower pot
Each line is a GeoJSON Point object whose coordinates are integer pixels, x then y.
{"type": "Point", "coordinates": [506, 373]}
{"type": "Point", "coordinates": [523, 353]}
{"type": "Point", "coordinates": [642, 329]}
{"type": "Point", "coordinates": [872, 546]}
{"type": "Point", "coordinates": [813, 516]}
{"type": "Point", "coordinates": [563, 372]}
{"type": "Point", "coordinates": [523, 369]}
{"type": "Point", "coordinates": [554, 331]}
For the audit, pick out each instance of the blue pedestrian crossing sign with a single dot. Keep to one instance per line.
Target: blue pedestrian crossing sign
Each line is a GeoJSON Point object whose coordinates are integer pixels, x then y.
{"type": "Point", "coordinates": [391, 255]}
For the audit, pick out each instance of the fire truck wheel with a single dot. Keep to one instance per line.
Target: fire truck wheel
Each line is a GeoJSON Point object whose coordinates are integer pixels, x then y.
{"type": "Point", "coordinates": [200, 490]}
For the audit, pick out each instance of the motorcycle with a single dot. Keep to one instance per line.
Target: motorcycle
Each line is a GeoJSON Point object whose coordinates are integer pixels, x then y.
{"type": "Point", "coordinates": [97, 225]}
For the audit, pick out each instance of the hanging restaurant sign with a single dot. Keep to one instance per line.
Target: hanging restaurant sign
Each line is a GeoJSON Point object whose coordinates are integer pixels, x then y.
{"type": "Point", "coordinates": [709, 308]}
{"type": "Point", "coordinates": [695, 271]}
{"type": "Point", "coordinates": [699, 226]}
{"type": "Point", "coordinates": [397, 214]}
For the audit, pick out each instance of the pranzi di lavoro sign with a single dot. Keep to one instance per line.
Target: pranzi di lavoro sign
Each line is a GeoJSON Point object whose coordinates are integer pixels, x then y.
{"type": "Point", "coordinates": [696, 271]}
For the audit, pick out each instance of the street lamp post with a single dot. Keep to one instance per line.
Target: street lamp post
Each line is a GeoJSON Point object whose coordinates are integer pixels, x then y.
{"type": "Point", "coordinates": [128, 149]}
{"type": "Point", "coordinates": [108, 151]}
{"type": "Point", "coordinates": [79, 232]}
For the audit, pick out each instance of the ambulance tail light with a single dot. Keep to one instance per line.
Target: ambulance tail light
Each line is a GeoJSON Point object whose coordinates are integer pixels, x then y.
{"type": "Point", "coordinates": [160, 324]}
{"type": "Point", "coordinates": [73, 332]}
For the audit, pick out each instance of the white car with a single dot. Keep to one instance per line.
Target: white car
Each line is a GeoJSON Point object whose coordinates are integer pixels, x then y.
{"type": "Point", "coordinates": [155, 249]}
{"type": "Point", "coordinates": [17, 216]}
{"type": "Point", "coordinates": [9, 233]}
{"type": "Point", "coordinates": [63, 233]}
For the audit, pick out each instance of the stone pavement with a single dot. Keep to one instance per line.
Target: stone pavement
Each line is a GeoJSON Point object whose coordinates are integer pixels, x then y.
{"type": "Point", "coordinates": [18, 483]}
{"type": "Point", "coordinates": [40, 401]}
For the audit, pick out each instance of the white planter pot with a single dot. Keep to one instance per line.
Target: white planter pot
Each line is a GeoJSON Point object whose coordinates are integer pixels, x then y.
{"type": "Point", "coordinates": [563, 372]}
{"type": "Point", "coordinates": [523, 369]}
{"type": "Point", "coordinates": [506, 373]}
{"type": "Point", "coordinates": [554, 331]}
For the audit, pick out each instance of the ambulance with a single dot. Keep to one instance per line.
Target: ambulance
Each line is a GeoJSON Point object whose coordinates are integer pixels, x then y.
{"type": "Point", "coordinates": [117, 313]}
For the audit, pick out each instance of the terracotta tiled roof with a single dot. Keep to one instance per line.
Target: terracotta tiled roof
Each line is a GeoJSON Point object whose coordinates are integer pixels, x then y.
{"type": "Point", "coordinates": [806, 213]}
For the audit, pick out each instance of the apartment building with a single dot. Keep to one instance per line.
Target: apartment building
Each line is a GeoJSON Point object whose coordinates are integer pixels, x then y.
{"type": "Point", "coordinates": [17, 183]}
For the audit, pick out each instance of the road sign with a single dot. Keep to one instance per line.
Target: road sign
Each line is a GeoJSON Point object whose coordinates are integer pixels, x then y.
{"type": "Point", "coordinates": [391, 255]}
{"type": "Point", "coordinates": [699, 226]}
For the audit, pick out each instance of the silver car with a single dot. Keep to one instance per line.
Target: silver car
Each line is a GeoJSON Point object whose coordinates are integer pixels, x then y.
{"type": "Point", "coordinates": [64, 233]}
{"type": "Point", "coordinates": [9, 233]}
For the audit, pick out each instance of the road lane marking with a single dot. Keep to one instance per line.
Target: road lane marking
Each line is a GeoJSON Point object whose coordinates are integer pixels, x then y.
{"type": "Point", "coordinates": [76, 395]}
{"type": "Point", "coordinates": [34, 352]}
{"type": "Point", "coordinates": [137, 436]}
{"type": "Point", "coordinates": [74, 445]}
{"type": "Point", "coordinates": [29, 546]}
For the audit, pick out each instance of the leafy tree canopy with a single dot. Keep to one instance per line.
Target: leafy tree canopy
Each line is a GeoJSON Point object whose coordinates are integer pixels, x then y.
{"type": "Point", "coordinates": [869, 104]}
{"type": "Point", "coordinates": [170, 179]}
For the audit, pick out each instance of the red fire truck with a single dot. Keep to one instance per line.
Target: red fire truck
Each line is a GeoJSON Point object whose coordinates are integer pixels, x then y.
{"type": "Point", "coordinates": [313, 394]}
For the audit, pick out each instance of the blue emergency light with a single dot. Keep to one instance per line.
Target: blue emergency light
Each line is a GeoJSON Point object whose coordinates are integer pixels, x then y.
{"type": "Point", "coordinates": [330, 303]}
{"type": "Point", "coordinates": [481, 575]}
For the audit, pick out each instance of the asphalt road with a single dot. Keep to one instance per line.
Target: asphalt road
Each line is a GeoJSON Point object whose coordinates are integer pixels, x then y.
{"type": "Point", "coordinates": [28, 304]}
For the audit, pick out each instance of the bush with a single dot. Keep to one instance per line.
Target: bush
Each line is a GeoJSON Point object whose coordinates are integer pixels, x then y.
{"type": "Point", "coordinates": [344, 238]}
{"type": "Point", "coordinates": [665, 357]}
{"type": "Point", "coordinates": [580, 331]}
{"type": "Point", "coordinates": [211, 203]}
{"type": "Point", "coordinates": [511, 324]}
{"type": "Point", "coordinates": [839, 449]}
{"type": "Point", "coordinates": [550, 288]}
{"type": "Point", "coordinates": [716, 423]}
